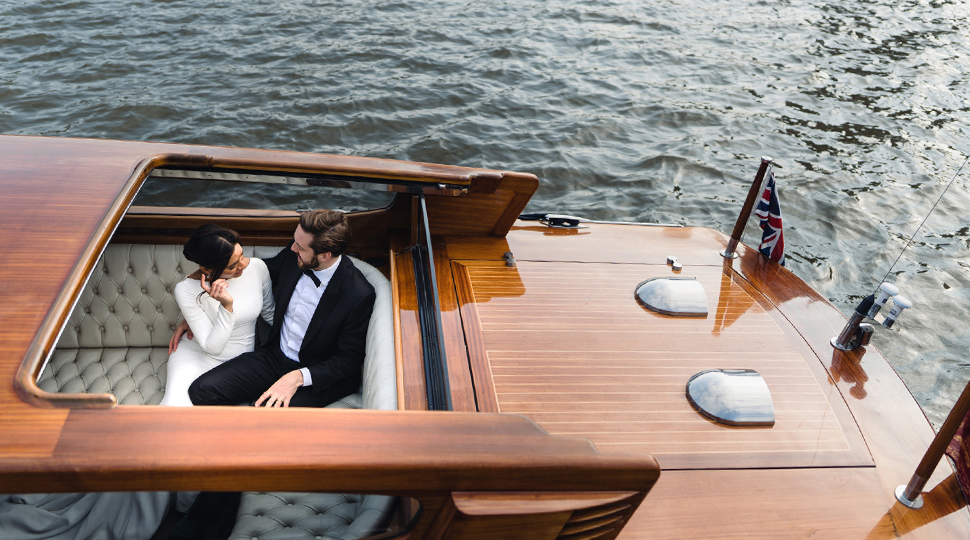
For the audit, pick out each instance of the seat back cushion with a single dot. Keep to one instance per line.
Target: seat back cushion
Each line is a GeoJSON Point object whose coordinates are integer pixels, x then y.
{"type": "Point", "coordinates": [310, 516]}
{"type": "Point", "coordinates": [116, 338]}
{"type": "Point", "coordinates": [379, 385]}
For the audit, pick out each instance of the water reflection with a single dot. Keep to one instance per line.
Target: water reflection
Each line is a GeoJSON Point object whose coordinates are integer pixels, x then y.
{"type": "Point", "coordinates": [730, 305]}
{"type": "Point", "coordinates": [847, 367]}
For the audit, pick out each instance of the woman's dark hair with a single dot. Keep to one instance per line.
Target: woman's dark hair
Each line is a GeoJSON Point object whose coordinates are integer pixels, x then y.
{"type": "Point", "coordinates": [211, 246]}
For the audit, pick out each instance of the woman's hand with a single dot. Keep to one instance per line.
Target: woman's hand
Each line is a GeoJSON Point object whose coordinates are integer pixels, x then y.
{"type": "Point", "coordinates": [218, 290]}
{"type": "Point", "coordinates": [182, 328]}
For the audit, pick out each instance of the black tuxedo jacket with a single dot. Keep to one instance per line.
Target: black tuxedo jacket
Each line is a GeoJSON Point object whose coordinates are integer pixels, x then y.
{"type": "Point", "coordinates": [333, 348]}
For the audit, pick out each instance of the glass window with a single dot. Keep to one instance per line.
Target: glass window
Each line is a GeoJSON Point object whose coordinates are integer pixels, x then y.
{"type": "Point", "coordinates": [210, 189]}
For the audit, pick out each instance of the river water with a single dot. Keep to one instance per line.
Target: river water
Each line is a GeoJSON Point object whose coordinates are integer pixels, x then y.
{"type": "Point", "coordinates": [625, 109]}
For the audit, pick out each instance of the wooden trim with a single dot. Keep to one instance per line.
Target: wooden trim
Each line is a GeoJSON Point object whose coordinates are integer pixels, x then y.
{"type": "Point", "coordinates": [385, 169]}
{"type": "Point", "coordinates": [540, 502]}
{"type": "Point", "coordinates": [163, 212]}
{"type": "Point", "coordinates": [459, 374]}
{"type": "Point", "coordinates": [482, 214]}
{"type": "Point", "coordinates": [534, 515]}
{"type": "Point", "coordinates": [398, 342]}
{"type": "Point", "coordinates": [25, 381]}
{"type": "Point", "coordinates": [358, 451]}
{"type": "Point", "coordinates": [415, 394]}
{"type": "Point", "coordinates": [494, 521]}
{"type": "Point", "coordinates": [524, 185]}
{"type": "Point", "coordinates": [474, 341]}
{"type": "Point", "coordinates": [443, 520]}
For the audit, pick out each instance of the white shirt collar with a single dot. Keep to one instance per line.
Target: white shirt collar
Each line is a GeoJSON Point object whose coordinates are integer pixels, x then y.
{"type": "Point", "coordinates": [326, 274]}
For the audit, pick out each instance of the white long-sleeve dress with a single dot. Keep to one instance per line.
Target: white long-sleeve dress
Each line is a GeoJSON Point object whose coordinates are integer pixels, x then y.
{"type": "Point", "coordinates": [219, 335]}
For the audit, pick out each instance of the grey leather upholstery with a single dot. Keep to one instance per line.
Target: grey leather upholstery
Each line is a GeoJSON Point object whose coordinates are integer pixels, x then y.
{"type": "Point", "coordinates": [116, 341]}
{"type": "Point", "coordinates": [116, 338]}
{"type": "Point", "coordinates": [310, 516]}
{"type": "Point", "coordinates": [135, 375]}
{"type": "Point", "coordinates": [332, 516]}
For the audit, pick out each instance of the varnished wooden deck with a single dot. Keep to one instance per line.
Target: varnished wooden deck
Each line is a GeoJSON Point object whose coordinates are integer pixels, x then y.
{"type": "Point", "coordinates": [560, 339]}
{"type": "Point", "coordinates": [568, 346]}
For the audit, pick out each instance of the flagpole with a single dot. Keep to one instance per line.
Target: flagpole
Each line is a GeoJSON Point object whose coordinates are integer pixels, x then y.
{"type": "Point", "coordinates": [753, 193]}
{"type": "Point", "coordinates": [909, 494]}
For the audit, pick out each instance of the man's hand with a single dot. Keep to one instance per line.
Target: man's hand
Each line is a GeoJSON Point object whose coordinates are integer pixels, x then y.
{"type": "Point", "coordinates": [282, 391]}
{"type": "Point", "coordinates": [182, 328]}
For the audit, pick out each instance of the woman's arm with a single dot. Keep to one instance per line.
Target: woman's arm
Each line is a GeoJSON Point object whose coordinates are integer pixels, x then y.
{"type": "Point", "coordinates": [211, 334]}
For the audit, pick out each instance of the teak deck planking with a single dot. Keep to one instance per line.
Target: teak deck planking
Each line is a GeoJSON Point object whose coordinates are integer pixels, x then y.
{"type": "Point", "coordinates": [595, 364]}
{"type": "Point", "coordinates": [756, 307]}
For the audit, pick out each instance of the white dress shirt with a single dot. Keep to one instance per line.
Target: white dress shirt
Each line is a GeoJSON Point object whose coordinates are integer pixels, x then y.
{"type": "Point", "coordinates": [296, 320]}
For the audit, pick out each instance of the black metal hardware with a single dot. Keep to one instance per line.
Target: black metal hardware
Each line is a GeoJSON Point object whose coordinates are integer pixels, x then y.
{"type": "Point", "coordinates": [429, 317]}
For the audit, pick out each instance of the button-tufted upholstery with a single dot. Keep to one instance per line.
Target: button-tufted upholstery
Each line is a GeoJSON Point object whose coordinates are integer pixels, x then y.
{"type": "Point", "coordinates": [116, 338]}
{"type": "Point", "coordinates": [332, 516]}
{"type": "Point", "coordinates": [310, 516]}
{"type": "Point", "coordinates": [116, 341]}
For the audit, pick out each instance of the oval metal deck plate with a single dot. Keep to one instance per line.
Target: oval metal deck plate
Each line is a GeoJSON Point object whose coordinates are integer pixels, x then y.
{"type": "Point", "coordinates": [673, 296]}
{"type": "Point", "coordinates": [737, 397]}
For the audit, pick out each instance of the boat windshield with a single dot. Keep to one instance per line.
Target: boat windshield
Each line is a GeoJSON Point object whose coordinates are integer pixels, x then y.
{"type": "Point", "coordinates": [210, 189]}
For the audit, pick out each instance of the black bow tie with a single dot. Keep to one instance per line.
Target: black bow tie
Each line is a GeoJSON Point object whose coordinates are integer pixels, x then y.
{"type": "Point", "coordinates": [313, 277]}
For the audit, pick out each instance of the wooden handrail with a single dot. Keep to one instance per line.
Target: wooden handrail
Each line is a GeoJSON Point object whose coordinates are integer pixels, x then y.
{"type": "Point", "coordinates": [759, 178]}
{"type": "Point", "coordinates": [910, 495]}
{"type": "Point", "coordinates": [467, 470]}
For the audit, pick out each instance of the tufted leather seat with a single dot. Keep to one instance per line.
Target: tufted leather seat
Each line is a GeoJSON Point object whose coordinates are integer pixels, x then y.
{"type": "Point", "coordinates": [310, 516]}
{"type": "Point", "coordinates": [116, 341]}
{"type": "Point", "coordinates": [116, 338]}
{"type": "Point", "coordinates": [332, 516]}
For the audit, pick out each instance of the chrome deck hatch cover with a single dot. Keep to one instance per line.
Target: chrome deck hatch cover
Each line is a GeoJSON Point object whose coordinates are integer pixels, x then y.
{"type": "Point", "coordinates": [737, 397]}
{"type": "Point", "coordinates": [673, 296]}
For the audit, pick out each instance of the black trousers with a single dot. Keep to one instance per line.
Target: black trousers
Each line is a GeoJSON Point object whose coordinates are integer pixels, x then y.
{"type": "Point", "coordinates": [244, 378]}
{"type": "Point", "coordinates": [240, 380]}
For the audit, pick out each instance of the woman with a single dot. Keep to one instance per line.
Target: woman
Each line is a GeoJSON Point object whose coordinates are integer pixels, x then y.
{"type": "Point", "coordinates": [220, 302]}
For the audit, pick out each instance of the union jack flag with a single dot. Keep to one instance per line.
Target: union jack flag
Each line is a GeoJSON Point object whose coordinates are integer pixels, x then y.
{"type": "Point", "coordinates": [769, 212]}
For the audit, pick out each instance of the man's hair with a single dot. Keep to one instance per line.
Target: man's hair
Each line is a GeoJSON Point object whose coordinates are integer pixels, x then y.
{"type": "Point", "coordinates": [330, 231]}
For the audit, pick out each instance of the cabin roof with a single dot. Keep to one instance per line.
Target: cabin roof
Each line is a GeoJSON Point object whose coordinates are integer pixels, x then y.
{"type": "Point", "coordinates": [60, 201]}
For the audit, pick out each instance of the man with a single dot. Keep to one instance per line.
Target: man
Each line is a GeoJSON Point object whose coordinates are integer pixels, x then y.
{"type": "Point", "coordinates": [315, 352]}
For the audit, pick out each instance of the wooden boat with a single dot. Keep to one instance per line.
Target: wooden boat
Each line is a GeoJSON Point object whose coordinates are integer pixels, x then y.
{"type": "Point", "coordinates": [565, 397]}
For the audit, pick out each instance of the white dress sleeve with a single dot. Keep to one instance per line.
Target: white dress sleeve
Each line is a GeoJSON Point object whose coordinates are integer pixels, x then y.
{"type": "Point", "coordinates": [266, 283]}
{"type": "Point", "coordinates": [210, 324]}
